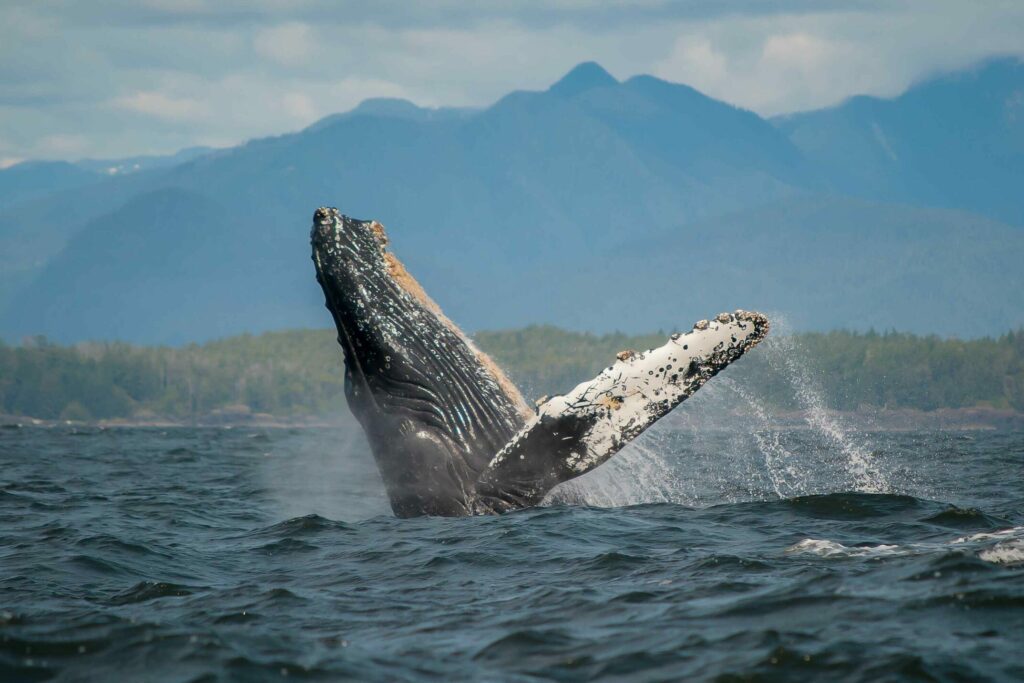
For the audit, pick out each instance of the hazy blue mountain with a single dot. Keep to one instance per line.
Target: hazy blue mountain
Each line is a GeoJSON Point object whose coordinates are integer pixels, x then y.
{"type": "Point", "coordinates": [595, 204]}
{"type": "Point", "coordinates": [211, 274]}
{"type": "Point", "coordinates": [35, 229]}
{"type": "Point", "coordinates": [33, 179]}
{"type": "Point", "coordinates": [30, 180]}
{"type": "Point", "coordinates": [954, 141]}
{"type": "Point", "coordinates": [24, 247]}
{"type": "Point", "coordinates": [146, 162]}
{"type": "Point", "coordinates": [43, 203]}
{"type": "Point", "coordinates": [395, 108]}
{"type": "Point", "coordinates": [824, 263]}
{"type": "Point", "coordinates": [516, 193]}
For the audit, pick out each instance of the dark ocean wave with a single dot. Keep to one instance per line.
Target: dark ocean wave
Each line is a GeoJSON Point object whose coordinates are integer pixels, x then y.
{"type": "Point", "coordinates": [191, 555]}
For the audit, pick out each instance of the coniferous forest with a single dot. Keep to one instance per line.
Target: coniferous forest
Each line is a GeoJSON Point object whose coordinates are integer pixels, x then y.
{"type": "Point", "coordinates": [299, 373]}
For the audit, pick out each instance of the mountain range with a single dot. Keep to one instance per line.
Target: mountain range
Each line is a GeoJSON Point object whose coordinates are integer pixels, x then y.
{"type": "Point", "coordinates": [596, 204]}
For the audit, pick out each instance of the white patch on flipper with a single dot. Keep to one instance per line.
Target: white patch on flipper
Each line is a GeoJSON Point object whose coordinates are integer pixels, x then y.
{"type": "Point", "coordinates": [639, 388]}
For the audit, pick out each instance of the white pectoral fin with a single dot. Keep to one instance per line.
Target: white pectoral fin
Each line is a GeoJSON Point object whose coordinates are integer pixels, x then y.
{"type": "Point", "coordinates": [576, 432]}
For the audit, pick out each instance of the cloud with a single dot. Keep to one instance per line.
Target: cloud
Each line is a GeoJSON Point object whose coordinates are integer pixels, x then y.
{"type": "Point", "coordinates": [402, 15]}
{"type": "Point", "coordinates": [63, 144]}
{"type": "Point", "coordinates": [790, 62]}
{"type": "Point", "coordinates": [163, 106]}
{"type": "Point", "coordinates": [324, 98]}
{"type": "Point", "coordinates": [290, 44]}
{"type": "Point", "coordinates": [149, 76]}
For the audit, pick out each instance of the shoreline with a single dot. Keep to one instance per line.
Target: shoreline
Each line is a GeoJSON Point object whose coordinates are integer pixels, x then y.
{"type": "Point", "coordinates": [910, 419]}
{"type": "Point", "coordinates": [265, 421]}
{"type": "Point", "coordinates": [868, 419]}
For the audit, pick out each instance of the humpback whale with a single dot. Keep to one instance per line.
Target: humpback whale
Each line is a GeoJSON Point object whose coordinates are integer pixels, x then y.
{"type": "Point", "coordinates": [450, 433]}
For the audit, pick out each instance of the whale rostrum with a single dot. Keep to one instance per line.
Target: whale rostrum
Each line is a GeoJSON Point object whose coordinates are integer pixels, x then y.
{"type": "Point", "coordinates": [450, 433]}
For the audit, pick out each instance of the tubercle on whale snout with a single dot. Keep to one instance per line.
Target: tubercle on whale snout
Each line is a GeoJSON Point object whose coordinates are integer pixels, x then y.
{"type": "Point", "coordinates": [761, 328]}
{"type": "Point", "coordinates": [322, 218]}
{"type": "Point", "coordinates": [332, 229]}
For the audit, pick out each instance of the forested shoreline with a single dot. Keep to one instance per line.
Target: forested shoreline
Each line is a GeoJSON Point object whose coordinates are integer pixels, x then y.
{"type": "Point", "coordinates": [298, 374]}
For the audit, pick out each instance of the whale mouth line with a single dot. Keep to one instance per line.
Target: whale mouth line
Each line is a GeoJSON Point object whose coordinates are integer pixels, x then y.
{"type": "Point", "coordinates": [450, 433]}
{"type": "Point", "coordinates": [352, 361]}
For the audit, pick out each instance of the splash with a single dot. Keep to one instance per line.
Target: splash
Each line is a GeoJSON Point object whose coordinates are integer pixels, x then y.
{"type": "Point", "coordinates": [638, 475]}
{"type": "Point", "coordinates": [327, 472]}
{"type": "Point", "coordinates": [1008, 552]}
{"type": "Point", "coordinates": [783, 468]}
{"type": "Point", "coordinates": [726, 444]}
{"type": "Point", "coordinates": [999, 547]}
{"type": "Point", "coordinates": [785, 356]}
{"type": "Point", "coordinates": [826, 548]}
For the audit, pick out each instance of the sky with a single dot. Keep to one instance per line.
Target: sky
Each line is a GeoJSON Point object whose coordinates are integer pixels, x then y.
{"type": "Point", "coordinates": [115, 78]}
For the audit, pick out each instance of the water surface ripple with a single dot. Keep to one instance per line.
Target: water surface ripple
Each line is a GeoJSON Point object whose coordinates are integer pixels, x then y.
{"type": "Point", "coordinates": [245, 554]}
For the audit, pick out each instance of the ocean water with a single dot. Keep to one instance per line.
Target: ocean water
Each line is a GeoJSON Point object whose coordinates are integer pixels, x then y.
{"type": "Point", "coordinates": [718, 549]}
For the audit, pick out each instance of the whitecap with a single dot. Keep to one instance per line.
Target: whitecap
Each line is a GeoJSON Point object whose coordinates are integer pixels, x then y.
{"type": "Point", "coordinates": [826, 548]}
{"type": "Point", "coordinates": [1005, 552]}
{"type": "Point", "coordinates": [990, 535]}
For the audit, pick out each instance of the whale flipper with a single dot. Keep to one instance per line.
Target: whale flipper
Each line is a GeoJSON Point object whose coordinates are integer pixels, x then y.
{"type": "Point", "coordinates": [450, 434]}
{"type": "Point", "coordinates": [574, 433]}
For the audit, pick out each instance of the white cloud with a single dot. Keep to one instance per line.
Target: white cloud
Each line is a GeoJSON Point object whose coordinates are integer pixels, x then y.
{"type": "Point", "coordinates": [697, 56]}
{"type": "Point", "coordinates": [322, 98]}
{"type": "Point", "coordinates": [784, 63]}
{"type": "Point", "coordinates": [772, 72]}
{"type": "Point", "coordinates": [7, 162]}
{"type": "Point", "coordinates": [133, 77]}
{"type": "Point", "coordinates": [290, 44]}
{"type": "Point", "coordinates": [63, 144]}
{"type": "Point", "coordinates": [299, 106]}
{"type": "Point", "coordinates": [162, 106]}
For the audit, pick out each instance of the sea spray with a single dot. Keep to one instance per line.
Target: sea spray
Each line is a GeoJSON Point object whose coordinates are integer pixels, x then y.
{"type": "Point", "coordinates": [785, 356]}
{"type": "Point", "coordinates": [725, 444]}
{"type": "Point", "coordinates": [328, 472]}
{"type": "Point", "coordinates": [640, 474]}
{"type": "Point", "coordinates": [783, 468]}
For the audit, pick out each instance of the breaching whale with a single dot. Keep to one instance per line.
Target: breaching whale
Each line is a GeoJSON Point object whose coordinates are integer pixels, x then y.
{"type": "Point", "coordinates": [450, 433]}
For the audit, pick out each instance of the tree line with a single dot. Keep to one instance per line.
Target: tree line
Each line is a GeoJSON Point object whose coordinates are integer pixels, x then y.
{"type": "Point", "coordinates": [299, 373]}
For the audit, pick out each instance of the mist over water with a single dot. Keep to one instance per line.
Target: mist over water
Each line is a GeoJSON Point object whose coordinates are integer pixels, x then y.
{"type": "Point", "coordinates": [330, 473]}
{"type": "Point", "coordinates": [722, 545]}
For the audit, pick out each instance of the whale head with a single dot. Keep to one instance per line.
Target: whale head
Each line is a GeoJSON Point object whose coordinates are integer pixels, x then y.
{"type": "Point", "coordinates": [434, 409]}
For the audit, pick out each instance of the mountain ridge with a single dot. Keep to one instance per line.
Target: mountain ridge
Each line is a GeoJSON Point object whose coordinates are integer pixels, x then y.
{"type": "Point", "coordinates": [510, 215]}
{"type": "Point", "coordinates": [955, 141]}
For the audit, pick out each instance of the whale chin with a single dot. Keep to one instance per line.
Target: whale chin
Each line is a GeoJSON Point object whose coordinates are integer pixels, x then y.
{"type": "Point", "coordinates": [450, 433]}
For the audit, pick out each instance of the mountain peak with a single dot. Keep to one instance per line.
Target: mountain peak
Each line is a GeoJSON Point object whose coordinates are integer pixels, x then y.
{"type": "Point", "coordinates": [391, 107]}
{"type": "Point", "coordinates": [581, 78]}
{"type": "Point", "coordinates": [386, 106]}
